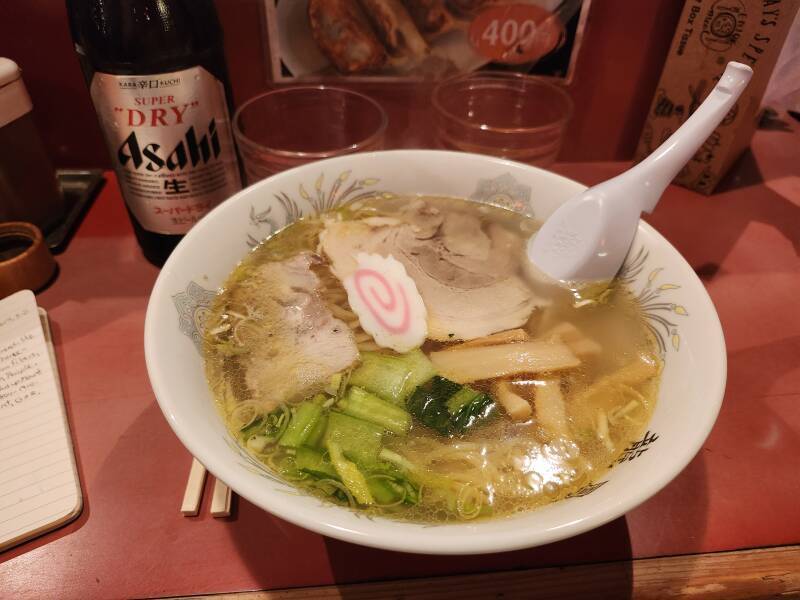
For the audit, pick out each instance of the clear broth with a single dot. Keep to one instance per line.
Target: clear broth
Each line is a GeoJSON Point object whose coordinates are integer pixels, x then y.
{"type": "Point", "coordinates": [504, 467]}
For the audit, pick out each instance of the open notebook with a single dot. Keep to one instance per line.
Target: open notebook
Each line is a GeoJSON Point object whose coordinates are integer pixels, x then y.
{"type": "Point", "coordinates": [39, 488]}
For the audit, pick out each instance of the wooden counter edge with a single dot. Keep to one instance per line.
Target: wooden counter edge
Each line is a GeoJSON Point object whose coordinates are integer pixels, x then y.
{"type": "Point", "coordinates": [759, 573]}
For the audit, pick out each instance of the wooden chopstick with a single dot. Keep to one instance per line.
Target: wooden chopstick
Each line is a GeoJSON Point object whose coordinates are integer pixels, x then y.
{"type": "Point", "coordinates": [193, 494]}
{"type": "Point", "coordinates": [221, 500]}
{"type": "Point", "coordinates": [194, 489]}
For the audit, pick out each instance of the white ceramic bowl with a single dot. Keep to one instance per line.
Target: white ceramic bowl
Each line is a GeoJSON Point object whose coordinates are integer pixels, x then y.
{"type": "Point", "coordinates": [673, 298]}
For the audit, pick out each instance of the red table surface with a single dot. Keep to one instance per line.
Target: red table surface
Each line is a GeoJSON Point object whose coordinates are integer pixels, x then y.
{"type": "Point", "coordinates": [741, 490]}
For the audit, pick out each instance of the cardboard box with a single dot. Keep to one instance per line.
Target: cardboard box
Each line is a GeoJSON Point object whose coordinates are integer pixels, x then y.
{"type": "Point", "coordinates": [710, 34]}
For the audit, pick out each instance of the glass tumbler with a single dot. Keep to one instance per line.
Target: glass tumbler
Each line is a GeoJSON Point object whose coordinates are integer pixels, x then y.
{"type": "Point", "coordinates": [511, 115]}
{"type": "Point", "coordinates": [292, 126]}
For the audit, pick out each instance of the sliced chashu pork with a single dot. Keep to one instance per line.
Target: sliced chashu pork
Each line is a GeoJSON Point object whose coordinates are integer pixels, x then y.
{"type": "Point", "coordinates": [466, 275]}
{"type": "Point", "coordinates": [297, 344]}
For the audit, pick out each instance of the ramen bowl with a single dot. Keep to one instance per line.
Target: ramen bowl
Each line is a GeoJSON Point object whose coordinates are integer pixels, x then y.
{"type": "Point", "coordinates": [673, 302]}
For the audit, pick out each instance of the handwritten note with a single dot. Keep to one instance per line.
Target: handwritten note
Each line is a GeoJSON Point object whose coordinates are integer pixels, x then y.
{"type": "Point", "coordinates": [39, 487]}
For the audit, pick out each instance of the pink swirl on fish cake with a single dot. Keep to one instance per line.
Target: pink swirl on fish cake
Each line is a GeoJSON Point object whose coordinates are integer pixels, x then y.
{"type": "Point", "coordinates": [370, 282]}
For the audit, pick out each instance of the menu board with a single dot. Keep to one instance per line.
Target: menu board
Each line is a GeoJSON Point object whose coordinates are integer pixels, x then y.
{"type": "Point", "coordinates": [397, 40]}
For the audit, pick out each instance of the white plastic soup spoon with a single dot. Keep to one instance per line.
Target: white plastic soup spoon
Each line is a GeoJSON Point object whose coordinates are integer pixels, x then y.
{"type": "Point", "coordinates": [586, 239]}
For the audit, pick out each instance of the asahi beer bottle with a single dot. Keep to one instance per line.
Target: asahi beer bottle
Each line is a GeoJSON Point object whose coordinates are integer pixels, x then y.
{"type": "Point", "coordinates": [156, 73]}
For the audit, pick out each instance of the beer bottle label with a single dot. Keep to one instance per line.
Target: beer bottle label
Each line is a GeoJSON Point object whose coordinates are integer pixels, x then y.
{"type": "Point", "coordinates": [171, 144]}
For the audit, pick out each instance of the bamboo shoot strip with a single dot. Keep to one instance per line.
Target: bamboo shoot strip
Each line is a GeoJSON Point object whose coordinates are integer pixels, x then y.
{"type": "Point", "coordinates": [501, 337]}
{"type": "Point", "coordinates": [194, 489]}
{"type": "Point", "coordinates": [464, 365]}
{"type": "Point", "coordinates": [574, 338]}
{"type": "Point", "coordinates": [551, 413]}
{"type": "Point", "coordinates": [632, 374]}
{"type": "Point", "coordinates": [517, 407]}
{"type": "Point", "coordinates": [565, 332]}
{"type": "Point", "coordinates": [586, 347]}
